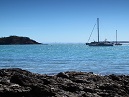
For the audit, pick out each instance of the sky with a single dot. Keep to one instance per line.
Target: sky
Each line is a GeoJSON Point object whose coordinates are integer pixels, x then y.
{"type": "Point", "coordinates": [64, 21]}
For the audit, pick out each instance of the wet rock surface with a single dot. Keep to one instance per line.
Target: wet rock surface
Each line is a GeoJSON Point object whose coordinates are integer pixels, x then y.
{"type": "Point", "coordinates": [21, 83]}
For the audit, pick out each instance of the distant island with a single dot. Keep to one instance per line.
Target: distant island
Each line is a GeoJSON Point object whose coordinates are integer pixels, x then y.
{"type": "Point", "coordinates": [16, 40]}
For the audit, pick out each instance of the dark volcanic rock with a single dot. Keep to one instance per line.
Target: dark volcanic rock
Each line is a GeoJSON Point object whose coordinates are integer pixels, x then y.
{"type": "Point", "coordinates": [17, 40]}
{"type": "Point", "coordinates": [20, 83]}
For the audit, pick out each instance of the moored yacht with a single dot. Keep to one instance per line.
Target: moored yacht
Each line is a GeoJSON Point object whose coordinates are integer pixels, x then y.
{"type": "Point", "coordinates": [100, 43]}
{"type": "Point", "coordinates": [117, 43]}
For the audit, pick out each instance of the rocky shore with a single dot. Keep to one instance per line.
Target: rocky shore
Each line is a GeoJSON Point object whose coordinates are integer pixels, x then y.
{"type": "Point", "coordinates": [21, 83]}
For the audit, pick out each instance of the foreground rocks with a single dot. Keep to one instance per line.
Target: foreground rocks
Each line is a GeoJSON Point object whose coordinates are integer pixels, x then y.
{"type": "Point", "coordinates": [21, 83]}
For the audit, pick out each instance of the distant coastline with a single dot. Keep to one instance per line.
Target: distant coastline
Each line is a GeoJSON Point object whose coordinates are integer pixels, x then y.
{"type": "Point", "coordinates": [13, 40]}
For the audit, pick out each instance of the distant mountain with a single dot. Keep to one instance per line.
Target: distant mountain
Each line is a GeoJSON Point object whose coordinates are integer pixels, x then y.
{"type": "Point", "coordinates": [16, 40]}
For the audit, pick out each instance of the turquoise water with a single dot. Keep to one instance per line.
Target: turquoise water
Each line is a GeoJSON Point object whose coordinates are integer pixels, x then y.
{"type": "Point", "coordinates": [55, 58]}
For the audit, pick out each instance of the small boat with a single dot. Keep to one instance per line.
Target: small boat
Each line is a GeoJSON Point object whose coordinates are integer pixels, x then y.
{"type": "Point", "coordinates": [107, 43]}
{"type": "Point", "coordinates": [99, 43]}
{"type": "Point", "coordinates": [117, 43]}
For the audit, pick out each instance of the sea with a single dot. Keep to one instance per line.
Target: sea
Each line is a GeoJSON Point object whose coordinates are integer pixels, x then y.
{"type": "Point", "coordinates": [53, 58]}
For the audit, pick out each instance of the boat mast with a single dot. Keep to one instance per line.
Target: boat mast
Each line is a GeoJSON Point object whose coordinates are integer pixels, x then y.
{"type": "Point", "coordinates": [116, 36]}
{"type": "Point", "coordinates": [98, 27]}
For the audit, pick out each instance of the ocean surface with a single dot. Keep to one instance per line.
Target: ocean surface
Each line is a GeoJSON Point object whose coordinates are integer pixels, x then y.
{"type": "Point", "coordinates": [55, 58]}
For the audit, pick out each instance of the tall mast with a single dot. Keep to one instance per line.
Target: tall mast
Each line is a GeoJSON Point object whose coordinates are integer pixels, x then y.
{"type": "Point", "coordinates": [116, 36]}
{"type": "Point", "coordinates": [98, 27]}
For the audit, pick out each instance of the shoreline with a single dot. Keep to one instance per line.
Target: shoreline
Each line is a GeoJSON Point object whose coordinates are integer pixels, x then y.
{"type": "Point", "coordinates": [15, 82]}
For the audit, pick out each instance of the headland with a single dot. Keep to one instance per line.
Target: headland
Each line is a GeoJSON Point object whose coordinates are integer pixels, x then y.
{"type": "Point", "coordinates": [13, 40]}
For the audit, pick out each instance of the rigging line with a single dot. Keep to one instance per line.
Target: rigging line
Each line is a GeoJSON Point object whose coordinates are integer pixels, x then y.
{"type": "Point", "coordinates": [91, 33]}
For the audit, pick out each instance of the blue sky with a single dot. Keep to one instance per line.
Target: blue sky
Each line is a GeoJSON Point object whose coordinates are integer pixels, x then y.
{"type": "Point", "coordinates": [64, 20]}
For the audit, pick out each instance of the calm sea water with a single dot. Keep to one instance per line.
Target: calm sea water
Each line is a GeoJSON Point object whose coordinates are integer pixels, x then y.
{"type": "Point", "coordinates": [55, 58]}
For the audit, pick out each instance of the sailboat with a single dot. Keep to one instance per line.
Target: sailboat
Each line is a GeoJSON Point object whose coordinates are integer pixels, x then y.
{"type": "Point", "coordinates": [116, 40]}
{"type": "Point", "coordinates": [98, 43]}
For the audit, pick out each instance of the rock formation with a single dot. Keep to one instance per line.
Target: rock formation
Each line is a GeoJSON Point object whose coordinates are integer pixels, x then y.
{"type": "Point", "coordinates": [21, 83]}
{"type": "Point", "coordinates": [16, 40]}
